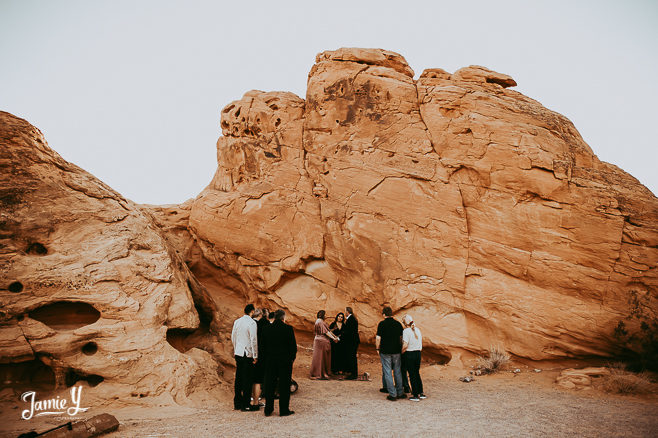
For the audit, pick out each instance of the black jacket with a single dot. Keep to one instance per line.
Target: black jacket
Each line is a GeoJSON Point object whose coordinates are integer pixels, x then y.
{"type": "Point", "coordinates": [261, 325]}
{"type": "Point", "coordinates": [280, 342]}
{"type": "Point", "coordinates": [351, 332]}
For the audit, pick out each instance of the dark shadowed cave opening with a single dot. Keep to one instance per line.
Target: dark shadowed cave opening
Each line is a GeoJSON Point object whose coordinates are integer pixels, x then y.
{"type": "Point", "coordinates": [436, 356]}
{"type": "Point", "coordinates": [178, 338]}
{"type": "Point", "coordinates": [89, 349]}
{"type": "Point", "coordinates": [31, 375]}
{"type": "Point", "coordinates": [15, 287]}
{"type": "Point", "coordinates": [185, 339]}
{"type": "Point", "coordinates": [73, 376]}
{"type": "Point", "coordinates": [36, 248]}
{"type": "Point", "coordinates": [66, 315]}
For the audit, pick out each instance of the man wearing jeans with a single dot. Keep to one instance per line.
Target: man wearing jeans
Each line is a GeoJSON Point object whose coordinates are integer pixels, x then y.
{"type": "Point", "coordinates": [389, 346]}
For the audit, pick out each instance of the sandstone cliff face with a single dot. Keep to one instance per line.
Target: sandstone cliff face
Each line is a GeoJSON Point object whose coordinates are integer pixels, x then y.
{"type": "Point", "coordinates": [89, 289]}
{"type": "Point", "coordinates": [452, 198]}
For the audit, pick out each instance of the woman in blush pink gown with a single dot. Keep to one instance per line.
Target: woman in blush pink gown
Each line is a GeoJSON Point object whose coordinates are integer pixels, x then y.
{"type": "Point", "coordinates": [321, 364]}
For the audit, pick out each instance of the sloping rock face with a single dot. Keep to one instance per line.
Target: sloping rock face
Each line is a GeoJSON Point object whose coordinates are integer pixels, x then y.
{"type": "Point", "coordinates": [89, 289]}
{"type": "Point", "coordinates": [452, 198]}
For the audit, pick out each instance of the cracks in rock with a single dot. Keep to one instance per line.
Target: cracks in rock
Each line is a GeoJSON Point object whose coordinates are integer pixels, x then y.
{"type": "Point", "coordinates": [34, 352]}
{"type": "Point", "coordinates": [420, 115]}
{"type": "Point", "coordinates": [377, 185]}
{"type": "Point", "coordinates": [529, 196]}
{"type": "Point", "coordinates": [359, 72]}
{"type": "Point", "coordinates": [468, 233]}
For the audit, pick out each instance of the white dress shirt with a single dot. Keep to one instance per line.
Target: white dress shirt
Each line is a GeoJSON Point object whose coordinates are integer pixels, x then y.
{"type": "Point", "coordinates": [244, 338]}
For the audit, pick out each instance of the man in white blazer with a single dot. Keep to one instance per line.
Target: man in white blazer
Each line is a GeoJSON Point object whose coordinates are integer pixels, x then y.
{"type": "Point", "coordinates": [245, 349]}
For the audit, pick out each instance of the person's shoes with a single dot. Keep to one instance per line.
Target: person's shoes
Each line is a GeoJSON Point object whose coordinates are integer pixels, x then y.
{"type": "Point", "coordinates": [383, 390]}
{"type": "Point", "coordinates": [414, 399]}
{"type": "Point", "coordinates": [285, 414]}
{"type": "Point", "coordinates": [402, 396]}
{"type": "Point", "coordinates": [261, 404]}
{"type": "Point", "coordinates": [237, 408]}
{"type": "Point", "coordinates": [422, 396]}
{"type": "Point", "coordinates": [350, 377]}
{"type": "Point", "coordinates": [250, 408]}
{"type": "Point", "coordinates": [267, 413]}
{"type": "Point", "coordinates": [391, 398]}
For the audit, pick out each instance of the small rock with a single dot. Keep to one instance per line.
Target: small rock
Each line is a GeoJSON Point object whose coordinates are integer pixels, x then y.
{"type": "Point", "coordinates": [478, 372]}
{"type": "Point", "coordinates": [537, 370]}
{"type": "Point", "coordinates": [466, 379]}
{"type": "Point", "coordinates": [516, 371]}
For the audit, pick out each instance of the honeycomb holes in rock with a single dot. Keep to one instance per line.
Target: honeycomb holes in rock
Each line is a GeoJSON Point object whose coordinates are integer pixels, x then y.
{"type": "Point", "coordinates": [66, 315]}
{"type": "Point", "coordinates": [15, 287]}
{"type": "Point", "coordinates": [89, 349]}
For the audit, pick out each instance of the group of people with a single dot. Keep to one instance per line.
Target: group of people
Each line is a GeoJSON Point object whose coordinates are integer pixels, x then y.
{"type": "Point", "coordinates": [265, 349]}
{"type": "Point", "coordinates": [335, 346]}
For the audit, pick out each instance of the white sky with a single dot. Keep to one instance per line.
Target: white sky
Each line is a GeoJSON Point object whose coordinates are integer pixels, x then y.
{"type": "Point", "coordinates": [132, 90]}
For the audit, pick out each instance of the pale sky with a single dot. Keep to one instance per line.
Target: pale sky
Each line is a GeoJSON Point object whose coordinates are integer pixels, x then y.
{"type": "Point", "coordinates": [132, 91]}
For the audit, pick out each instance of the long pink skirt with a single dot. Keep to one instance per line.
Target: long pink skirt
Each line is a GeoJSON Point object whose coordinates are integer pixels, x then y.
{"type": "Point", "coordinates": [321, 364]}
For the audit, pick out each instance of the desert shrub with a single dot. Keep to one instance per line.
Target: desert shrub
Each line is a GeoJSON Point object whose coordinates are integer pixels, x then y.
{"type": "Point", "coordinates": [621, 381]}
{"type": "Point", "coordinates": [495, 360]}
{"type": "Point", "coordinates": [637, 333]}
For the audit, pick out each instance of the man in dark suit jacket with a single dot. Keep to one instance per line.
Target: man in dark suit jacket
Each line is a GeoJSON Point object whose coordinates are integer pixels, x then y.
{"type": "Point", "coordinates": [352, 341]}
{"type": "Point", "coordinates": [280, 353]}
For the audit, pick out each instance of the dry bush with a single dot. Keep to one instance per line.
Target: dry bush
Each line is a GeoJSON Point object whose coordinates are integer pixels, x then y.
{"type": "Point", "coordinates": [495, 360]}
{"type": "Point", "coordinates": [637, 333]}
{"type": "Point", "coordinates": [621, 381]}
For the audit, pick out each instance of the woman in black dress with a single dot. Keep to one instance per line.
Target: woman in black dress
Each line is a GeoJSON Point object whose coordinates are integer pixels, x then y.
{"type": "Point", "coordinates": [338, 356]}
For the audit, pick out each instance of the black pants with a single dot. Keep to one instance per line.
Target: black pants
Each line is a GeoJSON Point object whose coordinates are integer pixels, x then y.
{"type": "Point", "coordinates": [352, 365]}
{"type": "Point", "coordinates": [411, 359]}
{"type": "Point", "coordinates": [244, 375]}
{"type": "Point", "coordinates": [281, 370]}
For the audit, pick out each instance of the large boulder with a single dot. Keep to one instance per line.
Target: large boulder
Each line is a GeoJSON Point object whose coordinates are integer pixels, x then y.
{"type": "Point", "coordinates": [451, 197]}
{"type": "Point", "coordinates": [90, 290]}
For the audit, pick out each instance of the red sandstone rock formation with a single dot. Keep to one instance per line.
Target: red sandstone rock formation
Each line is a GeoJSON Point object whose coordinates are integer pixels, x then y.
{"type": "Point", "coordinates": [89, 289]}
{"type": "Point", "coordinates": [451, 197]}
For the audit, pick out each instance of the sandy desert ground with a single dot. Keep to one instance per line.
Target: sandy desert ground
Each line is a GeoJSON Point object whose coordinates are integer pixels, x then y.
{"type": "Point", "coordinates": [505, 404]}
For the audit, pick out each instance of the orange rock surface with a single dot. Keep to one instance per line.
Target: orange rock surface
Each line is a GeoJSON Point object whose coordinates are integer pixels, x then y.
{"type": "Point", "coordinates": [89, 289]}
{"type": "Point", "coordinates": [451, 197]}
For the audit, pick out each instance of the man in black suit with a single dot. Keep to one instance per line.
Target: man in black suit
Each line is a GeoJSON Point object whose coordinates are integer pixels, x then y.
{"type": "Point", "coordinates": [351, 339]}
{"type": "Point", "coordinates": [280, 353]}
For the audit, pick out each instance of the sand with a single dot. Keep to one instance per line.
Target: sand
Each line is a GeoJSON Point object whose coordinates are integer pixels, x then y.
{"type": "Point", "coordinates": [528, 404]}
